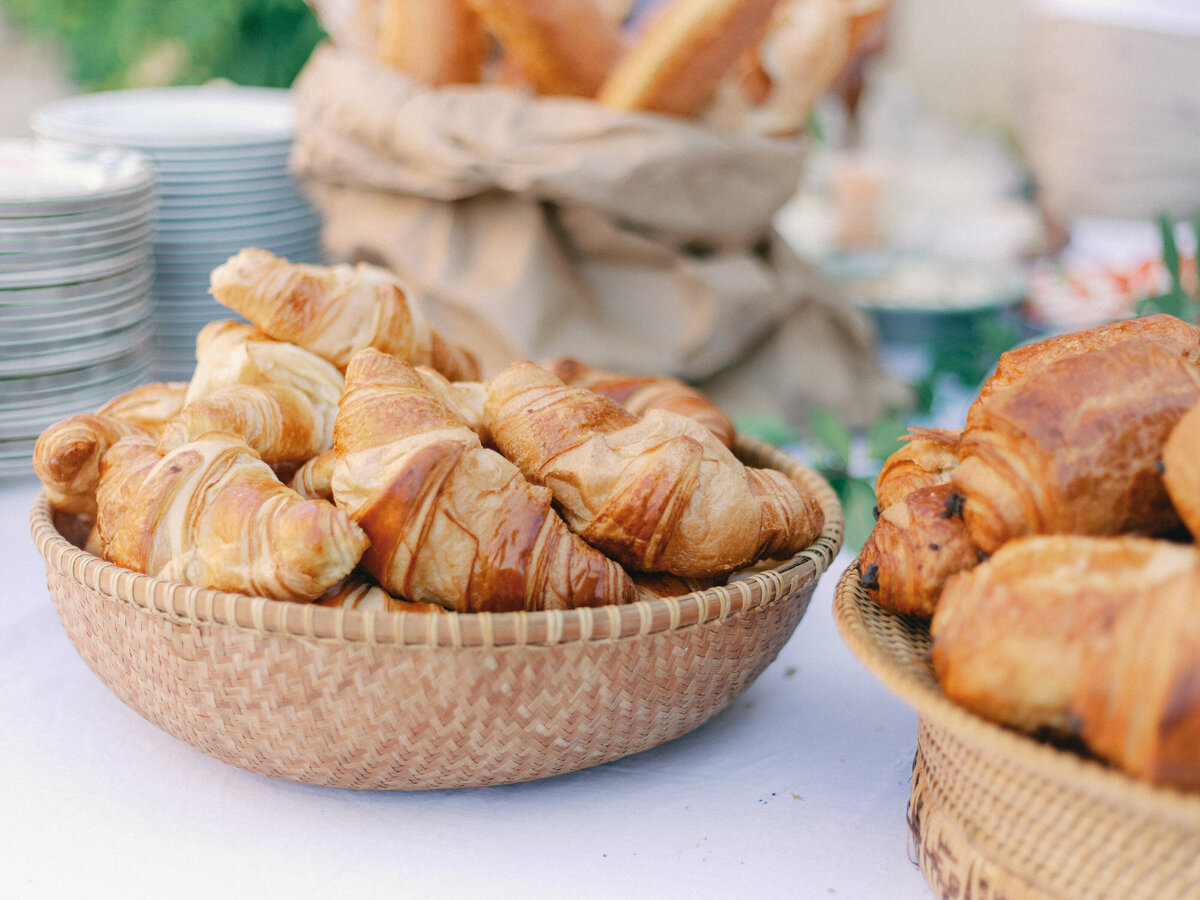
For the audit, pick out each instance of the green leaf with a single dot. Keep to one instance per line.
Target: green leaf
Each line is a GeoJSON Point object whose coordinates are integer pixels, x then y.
{"type": "Point", "coordinates": [1166, 229]}
{"type": "Point", "coordinates": [831, 436]}
{"type": "Point", "coordinates": [858, 510]}
{"type": "Point", "coordinates": [883, 437]}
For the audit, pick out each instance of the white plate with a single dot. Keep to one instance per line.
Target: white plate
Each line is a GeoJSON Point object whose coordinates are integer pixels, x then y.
{"type": "Point", "coordinates": [76, 354]}
{"type": "Point", "coordinates": [172, 117]}
{"type": "Point", "coordinates": [98, 239]}
{"type": "Point", "coordinates": [59, 273]}
{"type": "Point", "coordinates": [100, 290]}
{"type": "Point", "coordinates": [38, 179]}
{"type": "Point", "coordinates": [115, 216]}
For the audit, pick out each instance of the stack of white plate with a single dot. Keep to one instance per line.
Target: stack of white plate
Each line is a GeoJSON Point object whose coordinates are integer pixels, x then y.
{"type": "Point", "coordinates": [75, 285]}
{"type": "Point", "coordinates": [221, 157]}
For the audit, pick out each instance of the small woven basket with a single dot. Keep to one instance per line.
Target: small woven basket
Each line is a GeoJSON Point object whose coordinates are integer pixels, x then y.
{"type": "Point", "coordinates": [404, 700]}
{"type": "Point", "coordinates": [994, 813]}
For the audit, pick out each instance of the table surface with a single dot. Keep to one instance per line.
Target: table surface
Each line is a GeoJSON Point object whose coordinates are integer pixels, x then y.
{"type": "Point", "coordinates": [798, 790]}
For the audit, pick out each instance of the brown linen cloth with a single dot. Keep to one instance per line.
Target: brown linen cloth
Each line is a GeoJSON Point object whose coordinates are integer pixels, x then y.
{"type": "Point", "coordinates": [531, 227]}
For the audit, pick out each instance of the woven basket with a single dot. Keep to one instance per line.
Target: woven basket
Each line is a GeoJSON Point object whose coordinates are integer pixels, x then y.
{"type": "Point", "coordinates": [403, 700]}
{"type": "Point", "coordinates": [994, 813]}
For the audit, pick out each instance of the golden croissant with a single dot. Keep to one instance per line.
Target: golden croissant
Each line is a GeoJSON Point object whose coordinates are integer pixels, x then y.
{"type": "Point", "coordinates": [335, 311]}
{"type": "Point", "coordinates": [67, 455]}
{"type": "Point", "coordinates": [279, 422]}
{"type": "Point", "coordinates": [463, 398]}
{"type": "Point", "coordinates": [152, 405]}
{"type": "Point", "coordinates": [1077, 449]}
{"type": "Point", "coordinates": [210, 513]}
{"type": "Point", "coordinates": [641, 393]}
{"type": "Point", "coordinates": [659, 493]}
{"type": "Point", "coordinates": [1009, 637]}
{"type": "Point", "coordinates": [916, 545]}
{"type": "Point", "coordinates": [356, 591]}
{"type": "Point", "coordinates": [229, 353]}
{"type": "Point", "coordinates": [451, 522]}
{"type": "Point", "coordinates": [1136, 700]}
{"type": "Point", "coordinates": [927, 457]}
{"type": "Point", "coordinates": [314, 479]}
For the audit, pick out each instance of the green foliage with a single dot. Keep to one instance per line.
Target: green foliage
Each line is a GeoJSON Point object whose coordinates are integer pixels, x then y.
{"type": "Point", "coordinates": [1175, 300]}
{"type": "Point", "coordinates": [833, 458]}
{"type": "Point", "coordinates": [128, 43]}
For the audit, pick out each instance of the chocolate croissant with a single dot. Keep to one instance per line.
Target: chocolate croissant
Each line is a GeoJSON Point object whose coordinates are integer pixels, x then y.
{"type": "Point", "coordinates": [450, 521]}
{"type": "Point", "coordinates": [1077, 449]}
{"type": "Point", "coordinates": [927, 457]}
{"type": "Point", "coordinates": [659, 493]}
{"type": "Point", "coordinates": [67, 455]}
{"type": "Point", "coordinates": [211, 514]}
{"type": "Point", "coordinates": [916, 545]}
{"type": "Point", "coordinates": [641, 393]}
{"type": "Point", "coordinates": [1027, 362]}
{"type": "Point", "coordinates": [335, 311]}
{"type": "Point", "coordinates": [1009, 637]}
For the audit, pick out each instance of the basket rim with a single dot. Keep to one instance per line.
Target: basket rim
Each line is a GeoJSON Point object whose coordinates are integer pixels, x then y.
{"type": "Point", "coordinates": [189, 605]}
{"type": "Point", "coordinates": [1085, 776]}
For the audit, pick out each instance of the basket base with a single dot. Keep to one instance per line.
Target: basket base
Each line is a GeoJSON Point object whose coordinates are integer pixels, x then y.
{"type": "Point", "coordinates": [951, 865]}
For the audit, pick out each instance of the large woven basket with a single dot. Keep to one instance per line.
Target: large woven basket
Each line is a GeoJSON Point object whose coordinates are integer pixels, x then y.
{"type": "Point", "coordinates": [401, 700]}
{"type": "Point", "coordinates": [993, 813]}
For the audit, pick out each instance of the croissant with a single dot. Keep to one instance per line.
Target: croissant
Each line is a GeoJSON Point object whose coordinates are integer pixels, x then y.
{"type": "Point", "coordinates": [67, 457]}
{"type": "Point", "coordinates": [1009, 636]}
{"type": "Point", "coordinates": [314, 479]}
{"type": "Point", "coordinates": [656, 494]}
{"type": "Point", "coordinates": [463, 398]}
{"type": "Point", "coordinates": [358, 592]}
{"type": "Point", "coordinates": [916, 545]}
{"type": "Point", "coordinates": [67, 454]}
{"type": "Point", "coordinates": [1078, 448]}
{"type": "Point", "coordinates": [640, 394]}
{"type": "Point", "coordinates": [664, 584]}
{"type": "Point", "coordinates": [229, 353]}
{"type": "Point", "coordinates": [211, 514]}
{"type": "Point", "coordinates": [1136, 698]}
{"type": "Point", "coordinates": [1026, 362]}
{"type": "Point", "coordinates": [927, 457]}
{"type": "Point", "coordinates": [335, 311]}
{"type": "Point", "coordinates": [278, 422]}
{"type": "Point", "coordinates": [152, 405]}
{"type": "Point", "coordinates": [450, 521]}
{"type": "Point", "coordinates": [1181, 469]}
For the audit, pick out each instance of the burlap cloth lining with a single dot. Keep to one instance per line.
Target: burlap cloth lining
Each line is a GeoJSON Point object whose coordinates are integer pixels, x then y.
{"type": "Point", "coordinates": [531, 227]}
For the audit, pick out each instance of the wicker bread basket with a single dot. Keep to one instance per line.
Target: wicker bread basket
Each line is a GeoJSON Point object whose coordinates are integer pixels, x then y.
{"type": "Point", "coordinates": [993, 813]}
{"type": "Point", "coordinates": [402, 700]}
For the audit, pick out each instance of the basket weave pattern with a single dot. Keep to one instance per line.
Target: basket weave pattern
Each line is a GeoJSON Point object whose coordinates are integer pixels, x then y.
{"type": "Point", "coordinates": [993, 813]}
{"type": "Point", "coordinates": [403, 700]}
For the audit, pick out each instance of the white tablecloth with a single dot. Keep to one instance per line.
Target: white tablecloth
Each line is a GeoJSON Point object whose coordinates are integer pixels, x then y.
{"type": "Point", "coordinates": [798, 791]}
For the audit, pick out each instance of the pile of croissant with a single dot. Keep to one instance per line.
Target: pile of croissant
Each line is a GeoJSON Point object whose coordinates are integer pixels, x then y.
{"type": "Point", "coordinates": [338, 450]}
{"type": "Point", "coordinates": [1051, 545]}
{"type": "Point", "coordinates": [755, 64]}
